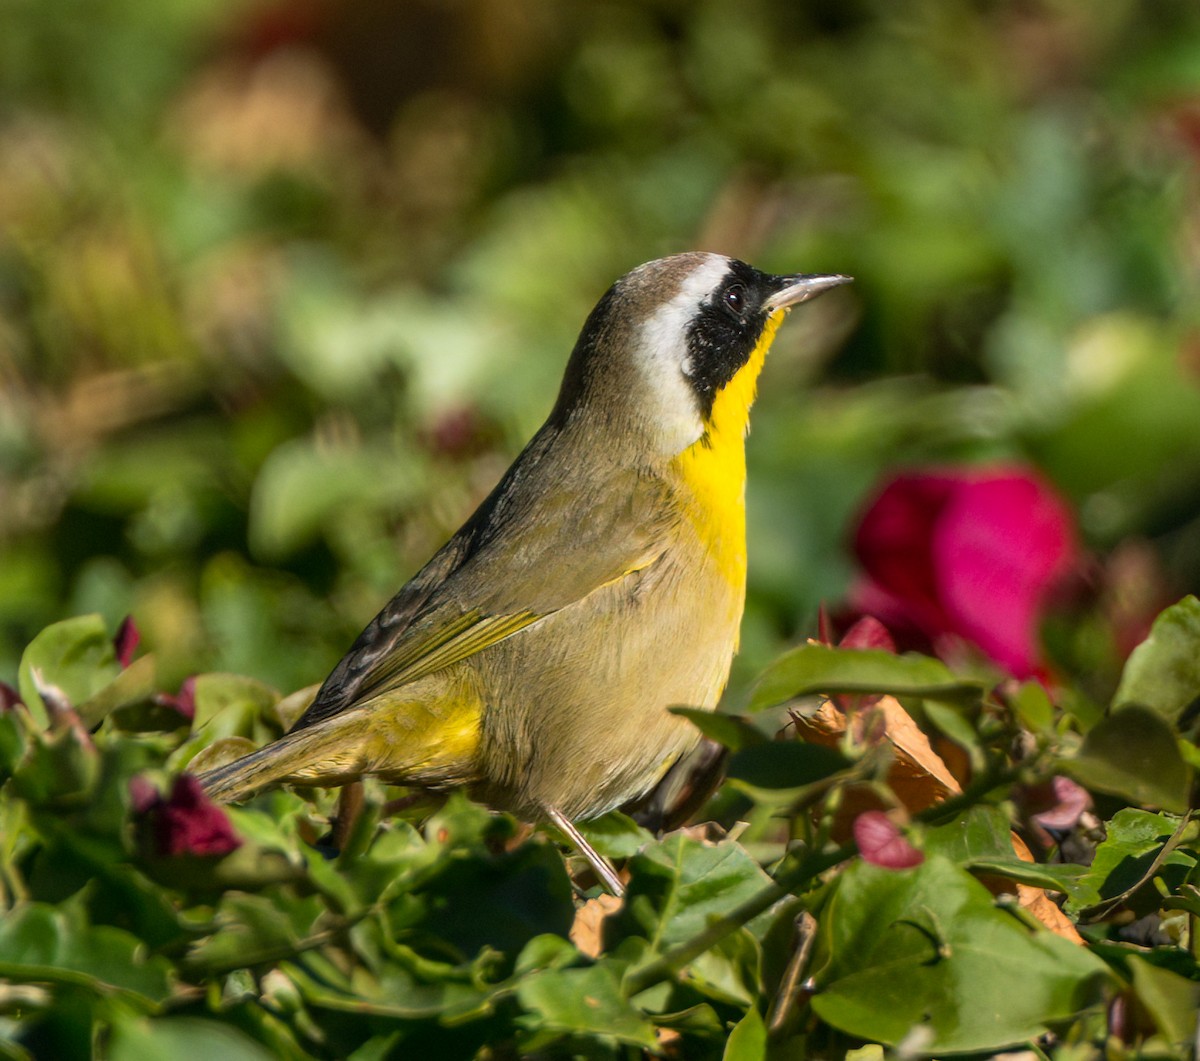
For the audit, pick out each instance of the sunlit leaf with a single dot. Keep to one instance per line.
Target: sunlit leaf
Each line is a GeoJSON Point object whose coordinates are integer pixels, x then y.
{"type": "Point", "coordinates": [75, 655]}
{"type": "Point", "coordinates": [1163, 672]}
{"type": "Point", "coordinates": [812, 669]}
{"type": "Point", "coordinates": [1133, 842]}
{"type": "Point", "coordinates": [924, 954]}
{"type": "Point", "coordinates": [748, 1040]}
{"type": "Point", "coordinates": [583, 1002]}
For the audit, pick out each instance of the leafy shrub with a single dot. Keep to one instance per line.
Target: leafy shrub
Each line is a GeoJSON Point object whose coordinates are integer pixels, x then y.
{"type": "Point", "coordinates": [142, 920]}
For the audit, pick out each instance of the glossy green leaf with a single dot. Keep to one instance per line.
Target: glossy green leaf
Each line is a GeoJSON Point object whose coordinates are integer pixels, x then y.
{"type": "Point", "coordinates": [1133, 841]}
{"type": "Point", "coordinates": [583, 1002]}
{"type": "Point", "coordinates": [748, 1040]}
{"type": "Point", "coordinates": [1132, 753]}
{"type": "Point", "coordinates": [812, 669]}
{"type": "Point", "coordinates": [981, 840]}
{"type": "Point", "coordinates": [135, 684]}
{"type": "Point", "coordinates": [678, 884]}
{"type": "Point", "coordinates": [1163, 672]}
{"type": "Point", "coordinates": [75, 656]}
{"type": "Point", "coordinates": [925, 956]}
{"type": "Point", "coordinates": [227, 705]}
{"type": "Point", "coordinates": [615, 835]}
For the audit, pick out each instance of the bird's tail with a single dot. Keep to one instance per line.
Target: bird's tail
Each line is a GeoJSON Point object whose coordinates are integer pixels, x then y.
{"type": "Point", "coordinates": [301, 756]}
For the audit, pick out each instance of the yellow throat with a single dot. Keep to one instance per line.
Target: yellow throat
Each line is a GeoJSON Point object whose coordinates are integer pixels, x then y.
{"type": "Point", "coordinates": [715, 466]}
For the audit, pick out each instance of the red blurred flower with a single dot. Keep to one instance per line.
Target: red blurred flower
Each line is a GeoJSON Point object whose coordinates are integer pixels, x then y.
{"type": "Point", "coordinates": [966, 553]}
{"type": "Point", "coordinates": [126, 641]}
{"type": "Point", "coordinates": [184, 701]}
{"type": "Point", "coordinates": [185, 823]}
{"type": "Point", "coordinates": [881, 843]}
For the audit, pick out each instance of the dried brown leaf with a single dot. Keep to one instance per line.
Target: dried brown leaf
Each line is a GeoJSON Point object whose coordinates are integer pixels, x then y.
{"type": "Point", "coordinates": [587, 933]}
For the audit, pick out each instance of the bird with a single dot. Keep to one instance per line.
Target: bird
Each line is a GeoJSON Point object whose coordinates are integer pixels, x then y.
{"type": "Point", "coordinates": [534, 658]}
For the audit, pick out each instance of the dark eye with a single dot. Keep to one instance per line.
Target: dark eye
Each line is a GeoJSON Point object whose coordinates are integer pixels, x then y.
{"type": "Point", "coordinates": [735, 299]}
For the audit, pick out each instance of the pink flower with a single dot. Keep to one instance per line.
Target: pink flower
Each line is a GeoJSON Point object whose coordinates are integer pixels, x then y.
{"type": "Point", "coordinates": [881, 843]}
{"type": "Point", "coordinates": [966, 553]}
{"type": "Point", "coordinates": [126, 641]}
{"type": "Point", "coordinates": [184, 701]}
{"type": "Point", "coordinates": [185, 823]}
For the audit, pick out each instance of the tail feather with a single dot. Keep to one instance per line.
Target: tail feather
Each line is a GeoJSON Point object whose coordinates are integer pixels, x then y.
{"type": "Point", "coordinates": [300, 756]}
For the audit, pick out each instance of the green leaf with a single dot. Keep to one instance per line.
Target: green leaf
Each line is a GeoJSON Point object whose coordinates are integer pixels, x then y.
{"type": "Point", "coordinates": [980, 840]}
{"type": "Point", "coordinates": [748, 1040]}
{"type": "Point", "coordinates": [1171, 1000]}
{"type": "Point", "coordinates": [227, 705]}
{"type": "Point", "coordinates": [679, 884]}
{"type": "Point", "coordinates": [181, 1039]}
{"type": "Point", "coordinates": [1163, 672]}
{"type": "Point", "coordinates": [75, 655]}
{"type": "Point", "coordinates": [136, 684]}
{"type": "Point", "coordinates": [777, 772]}
{"type": "Point", "coordinates": [812, 669]}
{"type": "Point", "coordinates": [1132, 753]}
{"type": "Point", "coordinates": [1134, 840]}
{"type": "Point", "coordinates": [252, 929]}
{"type": "Point", "coordinates": [677, 888]}
{"type": "Point", "coordinates": [584, 1002]}
{"type": "Point", "coordinates": [1033, 707]}
{"type": "Point", "coordinates": [924, 955]}
{"type": "Point", "coordinates": [60, 767]}
{"type": "Point", "coordinates": [733, 732]}
{"type": "Point", "coordinates": [615, 835]}
{"type": "Point", "coordinates": [56, 945]}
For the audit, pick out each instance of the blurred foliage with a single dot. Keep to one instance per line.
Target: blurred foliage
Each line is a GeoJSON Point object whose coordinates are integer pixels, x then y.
{"type": "Point", "coordinates": [284, 286]}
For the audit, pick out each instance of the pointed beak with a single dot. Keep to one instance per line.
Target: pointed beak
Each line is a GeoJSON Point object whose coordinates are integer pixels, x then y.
{"type": "Point", "coordinates": [796, 289]}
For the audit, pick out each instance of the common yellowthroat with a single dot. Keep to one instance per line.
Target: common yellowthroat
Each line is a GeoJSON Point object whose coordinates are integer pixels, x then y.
{"type": "Point", "coordinates": [602, 581]}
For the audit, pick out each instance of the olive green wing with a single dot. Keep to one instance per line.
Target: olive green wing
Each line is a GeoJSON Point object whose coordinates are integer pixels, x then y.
{"type": "Point", "coordinates": [529, 551]}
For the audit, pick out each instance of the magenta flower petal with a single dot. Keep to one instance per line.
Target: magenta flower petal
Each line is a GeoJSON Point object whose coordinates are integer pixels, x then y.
{"type": "Point", "coordinates": [892, 542]}
{"type": "Point", "coordinates": [999, 545]}
{"type": "Point", "coordinates": [189, 823]}
{"type": "Point", "coordinates": [966, 554]}
{"type": "Point", "coordinates": [1071, 800]}
{"type": "Point", "coordinates": [881, 843]}
{"type": "Point", "coordinates": [868, 633]}
{"type": "Point", "coordinates": [143, 796]}
{"type": "Point", "coordinates": [126, 641]}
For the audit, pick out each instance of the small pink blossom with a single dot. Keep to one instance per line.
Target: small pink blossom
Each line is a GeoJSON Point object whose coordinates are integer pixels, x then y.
{"type": "Point", "coordinates": [968, 554]}
{"type": "Point", "coordinates": [126, 641]}
{"type": "Point", "coordinates": [1067, 802]}
{"type": "Point", "coordinates": [868, 633]}
{"type": "Point", "coordinates": [184, 701]}
{"type": "Point", "coordinates": [185, 823]}
{"type": "Point", "coordinates": [881, 843]}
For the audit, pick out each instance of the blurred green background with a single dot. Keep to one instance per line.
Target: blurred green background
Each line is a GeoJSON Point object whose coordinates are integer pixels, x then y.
{"type": "Point", "coordinates": [285, 286]}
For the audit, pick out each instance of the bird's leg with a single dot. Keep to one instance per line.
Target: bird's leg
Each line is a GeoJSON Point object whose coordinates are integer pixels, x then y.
{"type": "Point", "coordinates": [349, 807]}
{"type": "Point", "coordinates": [608, 875]}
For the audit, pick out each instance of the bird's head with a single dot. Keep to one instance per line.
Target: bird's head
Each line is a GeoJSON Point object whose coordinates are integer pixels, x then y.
{"type": "Point", "coordinates": [675, 342]}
